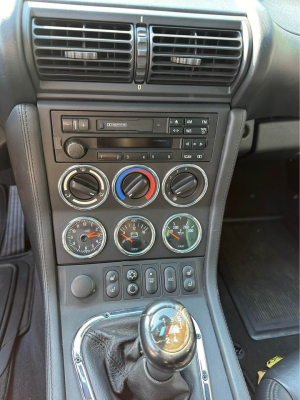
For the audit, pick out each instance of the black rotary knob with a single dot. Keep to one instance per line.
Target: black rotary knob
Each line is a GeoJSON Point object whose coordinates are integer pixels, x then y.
{"type": "Point", "coordinates": [184, 184]}
{"type": "Point", "coordinates": [135, 185]}
{"type": "Point", "coordinates": [84, 186]}
{"type": "Point", "coordinates": [167, 336]}
{"type": "Point", "coordinates": [75, 148]}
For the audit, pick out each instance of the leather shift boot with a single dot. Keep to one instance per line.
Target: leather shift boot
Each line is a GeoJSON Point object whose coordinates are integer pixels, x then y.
{"type": "Point", "coordinates": [117, 370]}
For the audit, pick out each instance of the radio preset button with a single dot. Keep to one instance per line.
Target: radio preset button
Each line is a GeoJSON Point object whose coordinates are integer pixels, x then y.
{"type": "Point", "coordinates": [176, 131]}
{"type": "Point", "coordinates": [165, 156]}
{"type": "Point", "coordinates": [109, 156]}
{"type": "Point", "coordinates": [135, 156]}
{"type": "Point", "coordinates": [175, 121]}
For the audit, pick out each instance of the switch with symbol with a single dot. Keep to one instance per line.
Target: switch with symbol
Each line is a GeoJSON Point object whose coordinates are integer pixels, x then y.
{"type": "Point", "coordinates": [132, 275]}
{"type": "Point", "coordinates": [83, 124]}
{"type": "Point", "coordinates": [151, 281]}
{"type": "Point", "coordinates": [175, 121]}
{"type": "Point", "coordinates": [132, 289]}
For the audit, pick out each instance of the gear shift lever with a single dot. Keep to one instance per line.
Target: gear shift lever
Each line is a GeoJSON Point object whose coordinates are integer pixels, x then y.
{"type": "Point", "coordinates": [167, 337]}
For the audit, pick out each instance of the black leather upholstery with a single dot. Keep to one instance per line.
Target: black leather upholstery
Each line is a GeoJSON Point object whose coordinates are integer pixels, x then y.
{"type": "Point", "coordinates": [116, 367]}
{"type": "Point", "coordinates": [282, 381]}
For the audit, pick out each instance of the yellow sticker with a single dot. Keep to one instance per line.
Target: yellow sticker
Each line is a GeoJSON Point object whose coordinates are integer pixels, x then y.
{"type": "Point", "coordinates": [273, 361]}
{"type": "Point", "coordinates": [260, 375]}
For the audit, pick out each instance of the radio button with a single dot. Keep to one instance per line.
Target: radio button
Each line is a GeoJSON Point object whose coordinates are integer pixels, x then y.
{"type": "Point", "coordinates": [176, 131]}
{"type": "Point", "coordinates": [100, 125]}
{"type": "Point", "coordinates": [161, 156]}
{"type": "Point", "coordinates": [175, 121]}
{"type": "Point", "coordinates": [187, 144]}
{"type": "Point", "coordinates": [195, 156]}
{"type": "Point", "coordinates": [195, 131]}
{"type": "Point", "coordinates": [83, 124]}
{"type": "Point", "coordinates": [109, 156]}
{"type": "Point", "coordinates": [67, 124]}
{"type": "Point", "coordinates": [160, 125]}
{"type": "Point", "coordinates": [197, 121]}
{"type": "Point", "coordinates": [135, 156]}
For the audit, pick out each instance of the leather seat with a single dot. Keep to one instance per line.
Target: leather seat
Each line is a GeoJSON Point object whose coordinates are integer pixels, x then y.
{"type": "Point", "coordinates": [281, 382]}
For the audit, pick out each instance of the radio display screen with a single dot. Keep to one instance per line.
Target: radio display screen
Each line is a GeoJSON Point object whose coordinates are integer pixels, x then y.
{"type": "Point", "coordinates": [135, 143]}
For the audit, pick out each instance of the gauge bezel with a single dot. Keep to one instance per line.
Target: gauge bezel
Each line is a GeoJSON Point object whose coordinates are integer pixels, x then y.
{"type": "Point", "coordinates": [135, 207]}
{"type": "Point", "coordinates": [198, 240]}
{"type": "Point", "coordinates": [201, 195]}
{"type": "Point", "coordinates": [83, 207]}
{"type": "Point", "coordinates": [150, 245]}
{"type": "Point", "coordinates": [64, 236]}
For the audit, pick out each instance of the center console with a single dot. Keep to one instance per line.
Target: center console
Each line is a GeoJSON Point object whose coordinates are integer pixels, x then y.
{"type": "Point", "coordinates": [131, 188]}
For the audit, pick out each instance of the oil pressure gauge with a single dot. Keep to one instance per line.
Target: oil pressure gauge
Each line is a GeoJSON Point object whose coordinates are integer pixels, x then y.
{"type": "Point", "coordinates": [84, 237]}
{"type": "Point", "coordinates": [182, 233]}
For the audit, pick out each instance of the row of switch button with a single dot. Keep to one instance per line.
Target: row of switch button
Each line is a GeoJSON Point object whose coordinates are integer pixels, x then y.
{"type": "Point", "coordinates": [187, 131]}
{"type": "Point", "coordinates": [159, 156]}
{"type": "Point", "coordinates": [189, 121]}
{"type": "Point", "coordinates": [192, 156]}
{"type": "Point", "coordinates": [194, 143]}
{"type": "Point", "coordinates": [75, 125]}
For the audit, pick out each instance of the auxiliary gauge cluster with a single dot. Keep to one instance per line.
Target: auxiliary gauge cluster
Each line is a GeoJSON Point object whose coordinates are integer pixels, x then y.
{"type": "Point", "coordinates": [85, 187]}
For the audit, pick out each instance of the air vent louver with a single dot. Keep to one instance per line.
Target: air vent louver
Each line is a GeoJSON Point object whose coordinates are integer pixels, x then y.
{"type": "Point", "coordinates": [218, 52]}
{"type": "Point", "coordinates": [71, 50]}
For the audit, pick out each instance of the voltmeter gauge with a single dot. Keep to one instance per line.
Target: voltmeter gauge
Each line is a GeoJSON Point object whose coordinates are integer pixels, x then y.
{"type": "Point", "coordinates": [84, 237]}
{"type": "Point", "coordinates": [182, 233]}
{"type": "Point", "coordinates": [134, 235]}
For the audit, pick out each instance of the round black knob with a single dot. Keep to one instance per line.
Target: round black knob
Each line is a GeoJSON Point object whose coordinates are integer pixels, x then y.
{"type": "Point", "coordinates": [135, 185]}
{"type": "Point", "coordinates": [184, 184]}
{"type": "Point", "coordinates": [84, 186]}
{"type": "Point", "coordinates": [167, 336]}
{"type": "Point", "coordinates": [82, 286]}
{"type": "Point", "coordinates": [75, 148]}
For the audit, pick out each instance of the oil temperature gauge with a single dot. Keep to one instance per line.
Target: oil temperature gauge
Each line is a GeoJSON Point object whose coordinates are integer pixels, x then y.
{"type": "Point", "coordinates": [182, 233]}
{"type": "Point", "coordinates": [84, 237]}
{"type": "Point", "coordinates": [134, 235]}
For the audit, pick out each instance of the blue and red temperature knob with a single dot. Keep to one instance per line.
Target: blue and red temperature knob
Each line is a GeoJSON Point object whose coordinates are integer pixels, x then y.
{"type": "Point", "coordinates": [136, 186]}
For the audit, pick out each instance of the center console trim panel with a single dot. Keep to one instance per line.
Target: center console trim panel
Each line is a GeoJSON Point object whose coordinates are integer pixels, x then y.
{"type": "Point", "coordinates": [81, 372]}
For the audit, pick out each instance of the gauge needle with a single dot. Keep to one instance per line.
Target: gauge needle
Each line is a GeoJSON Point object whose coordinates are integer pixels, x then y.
{"type": "Point", "coordinates": [92, 235]}
{"type": "Point", "coordinates": [126, 237]}
{"type": "Point", "coordinates": [173, 234]}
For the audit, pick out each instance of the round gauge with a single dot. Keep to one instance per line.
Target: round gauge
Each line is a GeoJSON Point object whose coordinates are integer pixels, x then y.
{"type": "Point", "coordinates": [134, 235]}
{"type": "Point", "coordinates": [182, 233]}
{"type": "Point", "coordinates": [84, 237]}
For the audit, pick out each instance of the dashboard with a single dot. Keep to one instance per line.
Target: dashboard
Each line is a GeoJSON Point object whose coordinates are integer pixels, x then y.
{"type": "Point", "coordinates": [123, 124]}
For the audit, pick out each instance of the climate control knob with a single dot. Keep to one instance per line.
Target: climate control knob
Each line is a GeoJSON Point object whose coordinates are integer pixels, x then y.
{"type": "Point", "coordinates": [184, 185]}
{"type": "Point", "coordinates": [75, 148]}
{"type": "Point", "coordinates": [83, 187]}
{"type": "Point", "coordinates": [135, 186]}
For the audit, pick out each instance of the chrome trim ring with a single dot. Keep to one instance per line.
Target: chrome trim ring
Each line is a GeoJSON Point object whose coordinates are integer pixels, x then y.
{"type": "Point", "coordinates": [64, 242]}
{"type": "Point", "coordinates": [100, 176]}
{"type": "Point", "coordinates": [163, 185]}
{"type": "Point", "coordinates": [149, 245]}
{"type": "Point", "coordinates": [198, 240]}
{"type": "Point", "coordinates": [81, 371]}
{"type": "Point", "coordinates": [153, 197]}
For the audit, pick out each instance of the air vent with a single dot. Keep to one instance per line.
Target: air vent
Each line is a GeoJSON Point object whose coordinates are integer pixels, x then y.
{"type": "Point", "coordinates": [83, 51]}
{"type": "Point", "coordinates": [181, 56]}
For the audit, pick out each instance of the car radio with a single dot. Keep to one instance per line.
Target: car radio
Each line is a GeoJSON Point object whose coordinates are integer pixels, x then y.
{"type": "Point", "coordinates": [113, 137]}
